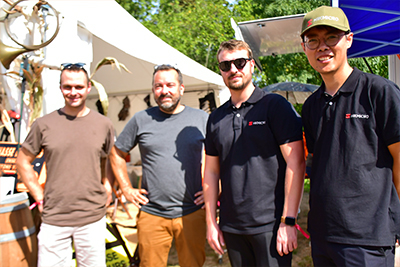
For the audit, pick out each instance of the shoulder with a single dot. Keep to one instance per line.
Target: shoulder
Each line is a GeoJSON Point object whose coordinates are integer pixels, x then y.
{"type": "Point", "coordinates": [274, 103]}
{"type": "Point", "coordinates": [375, 81]}
{"type": "Point", "coordinates": [196, 112]}
{"type": "Point", "coordinates": [221, 111]}
{"type": "Point", "coordinates": [48, 118]}
{"type": "Point", "coordinates": [150, 112]}
{"type": "Point", "coordinates": [273, 98]}
{"type": "Point", "coordinates": [96, 116]}
{"type": "Point", "coordinates": [312, 98]}
{"type": "Point", "coordinates": [145, 116]}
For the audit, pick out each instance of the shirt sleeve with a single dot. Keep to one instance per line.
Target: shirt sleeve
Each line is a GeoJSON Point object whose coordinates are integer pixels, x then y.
{"type": "Point", "coordinates": [33, 142]}
{"type": "Point", "coordinates": [210, 148]}
{"type": "Point", "coordinates": [388, 112]}
{"type": "Point", "coordinates": [284, 121]}
{"type": "Point", "coordinates": [128, 137]}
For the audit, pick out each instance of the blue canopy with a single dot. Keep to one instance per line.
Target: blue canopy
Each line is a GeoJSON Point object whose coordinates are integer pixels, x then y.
{"type": "Point", "coordinates": [375, 24]}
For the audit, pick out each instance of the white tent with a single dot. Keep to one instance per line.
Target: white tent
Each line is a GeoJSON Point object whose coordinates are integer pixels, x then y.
{"type": "Point", "coordinates": [116, 33]}
{"type": "Point", "coordinates": [92, 30]}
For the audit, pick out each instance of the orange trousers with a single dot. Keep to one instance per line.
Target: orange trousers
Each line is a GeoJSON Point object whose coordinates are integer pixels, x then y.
{"type": "Point", "coordinates": [155, 236]}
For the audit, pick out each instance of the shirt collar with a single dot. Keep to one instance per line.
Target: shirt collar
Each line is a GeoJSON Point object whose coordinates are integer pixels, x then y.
{"type": "Point", "coordinates": [256, 96]}
{"type": "Point", "coordinates": [352, 79]}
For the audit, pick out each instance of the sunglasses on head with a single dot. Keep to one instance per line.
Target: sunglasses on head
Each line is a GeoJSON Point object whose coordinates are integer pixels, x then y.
{"type": "Point", "coordinates": [72, 66]}
{"type": "Point", "coordinates": [175, 66]}
{"type": "Point", "coordinates": [239, 64]}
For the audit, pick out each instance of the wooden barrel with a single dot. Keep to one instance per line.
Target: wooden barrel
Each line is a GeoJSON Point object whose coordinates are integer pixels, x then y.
{"type": "Point", "coordinates": [18, 242]}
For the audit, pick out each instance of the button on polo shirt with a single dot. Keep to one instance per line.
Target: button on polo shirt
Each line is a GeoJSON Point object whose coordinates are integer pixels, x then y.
{"type": "Point", "coordinates": [252, 168]}
{"type": "Point", "coordinates": [351, 177]}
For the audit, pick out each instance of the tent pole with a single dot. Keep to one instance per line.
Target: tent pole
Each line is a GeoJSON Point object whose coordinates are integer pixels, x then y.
{"type": "Point", "coordinates": [369, 67]}
{"type": "Point", "coordinates": [23, 84]}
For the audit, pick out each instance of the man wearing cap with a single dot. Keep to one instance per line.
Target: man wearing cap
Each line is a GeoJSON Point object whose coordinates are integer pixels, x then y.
{"type": "Point", "coordinates": [352, 127]}
{"type": "Point", "coordinates": [170, 138]}
{"type": "Point", "coordinates": [75, 141]}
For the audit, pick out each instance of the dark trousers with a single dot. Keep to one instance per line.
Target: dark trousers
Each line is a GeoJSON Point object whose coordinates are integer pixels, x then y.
{"type": "Point", "coordinates": [254, 250]}
{"type": "Point", "coordinates": [334, 254]}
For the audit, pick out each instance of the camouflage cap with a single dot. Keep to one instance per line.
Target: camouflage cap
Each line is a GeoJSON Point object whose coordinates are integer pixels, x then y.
{"type": "Point", "coordinates": [325, 16]}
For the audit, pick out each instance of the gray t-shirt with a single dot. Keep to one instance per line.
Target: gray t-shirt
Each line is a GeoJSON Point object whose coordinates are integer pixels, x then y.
{"type": "Point", "coordinates": [171, 150]}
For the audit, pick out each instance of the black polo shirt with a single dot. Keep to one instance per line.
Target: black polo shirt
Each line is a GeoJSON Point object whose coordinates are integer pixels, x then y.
{"type": "Point", "coordinates": [352, 197]}
{"type": "Point", "coordinates": [252, 168]}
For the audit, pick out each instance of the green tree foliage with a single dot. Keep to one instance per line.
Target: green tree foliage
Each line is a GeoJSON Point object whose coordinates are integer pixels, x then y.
{"type": "Point", "coordinates": [197, 27]}
{"type": "Point", "coordinates": [139, 9]}
{"type": "Point", "coordinates": [194, 27]}
{"type": "Point", "coordinates": [377, 65]}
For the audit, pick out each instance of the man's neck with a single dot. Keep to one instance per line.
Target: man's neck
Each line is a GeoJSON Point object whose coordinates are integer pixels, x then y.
{"type": "Point", "coordinates": [240, 96]}
{"type": "Point", "coordinates": [179, 108]}
{"type": "Point", "coordinates": [75, 112]}
{"type": "Point", "coordinates": [333, 81]}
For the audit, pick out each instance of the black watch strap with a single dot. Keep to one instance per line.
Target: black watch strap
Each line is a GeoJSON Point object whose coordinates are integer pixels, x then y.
{"type": "Point", "coordinates": [291, 221]}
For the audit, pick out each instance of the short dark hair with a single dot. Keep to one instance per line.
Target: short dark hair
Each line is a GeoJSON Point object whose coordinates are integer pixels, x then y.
{"type": "Point", "coordinates": [164, 67]}
{"type": "Point", "coordinates": [232, 45]}
{"type": "Point", "coordinates": [75, 68]}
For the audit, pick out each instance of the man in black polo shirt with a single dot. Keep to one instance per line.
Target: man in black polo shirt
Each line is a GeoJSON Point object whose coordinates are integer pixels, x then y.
{"type": "Point", "coordinates": [352, 127]}
{"type": "Point", "coordinates": [254, 149]}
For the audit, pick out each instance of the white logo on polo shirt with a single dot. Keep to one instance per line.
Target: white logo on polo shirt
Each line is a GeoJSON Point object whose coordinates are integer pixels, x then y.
{"type": "Point", "coordinates": [357, 116]}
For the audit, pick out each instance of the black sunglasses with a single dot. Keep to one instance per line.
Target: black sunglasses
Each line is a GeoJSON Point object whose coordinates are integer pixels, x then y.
{"type": "Point", "coordinates": [72, 66]}
{"type": "Point", "coordinates": [239, 64]}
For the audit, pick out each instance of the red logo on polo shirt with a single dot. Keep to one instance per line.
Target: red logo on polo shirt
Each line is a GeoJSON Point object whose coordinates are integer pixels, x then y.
{"type": "Point", "coordinates": [348, 115]}
{"type": "Point", "coordinates": [252, 123]}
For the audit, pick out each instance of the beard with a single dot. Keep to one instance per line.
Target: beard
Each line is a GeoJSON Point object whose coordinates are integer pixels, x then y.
{"type": "Point", "coordinates": [238, 86]}
{"type": "Point", "coordinates": [168, 107]}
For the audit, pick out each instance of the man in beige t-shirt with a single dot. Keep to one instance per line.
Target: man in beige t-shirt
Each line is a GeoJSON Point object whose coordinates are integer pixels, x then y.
{"type": "Point", "coordinates": [73, 203]}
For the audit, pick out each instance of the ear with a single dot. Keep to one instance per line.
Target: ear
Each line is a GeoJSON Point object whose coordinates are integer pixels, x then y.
{"type": "Point", "coordinates": [89, 87]}
{"type": "Point", "coordinates": [349, 39]}
{"type": "Point", "coordinates": [253, 63]}
{"type": "Point", "coordinates": [181, 89]}
{"type": "Point", "coordinates": [303, 46]}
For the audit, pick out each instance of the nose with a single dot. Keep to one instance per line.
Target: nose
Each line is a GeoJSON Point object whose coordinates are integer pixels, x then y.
{"type": "Point", "coordinates": [233, 67]}
{"type": "Point", "coordinates": [164, 90]}
{"type": "Point", "coordinates": [322, 45]}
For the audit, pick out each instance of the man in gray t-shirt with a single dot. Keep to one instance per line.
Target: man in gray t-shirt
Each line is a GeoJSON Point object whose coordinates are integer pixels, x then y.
{"type": "Point", "coordinates": [170, 138]}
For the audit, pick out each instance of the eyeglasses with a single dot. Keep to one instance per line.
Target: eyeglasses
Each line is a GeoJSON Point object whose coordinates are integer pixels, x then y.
{"type": "Point", "coordinates": [331, 40]}
{"type": "Point", "coordinates": [72, 66]}
{"type": "Point", "coordinates": [239, 64]}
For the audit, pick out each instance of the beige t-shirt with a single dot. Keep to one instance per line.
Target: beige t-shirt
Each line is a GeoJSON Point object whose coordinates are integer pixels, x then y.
{"type": "Point", "coordinates": [73, 146]}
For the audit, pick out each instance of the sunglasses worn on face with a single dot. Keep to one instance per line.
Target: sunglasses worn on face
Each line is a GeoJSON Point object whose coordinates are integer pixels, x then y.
{"type": "Point", "coordinates": [239, 64]}
{"type": "Point", "coordinates": [72, 66]}
{"type": "Point", "coordinates": [331, 40]}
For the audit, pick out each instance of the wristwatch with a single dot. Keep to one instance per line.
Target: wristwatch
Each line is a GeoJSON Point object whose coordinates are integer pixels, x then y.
{"type": "Point", "coordinates": [291, 221]}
